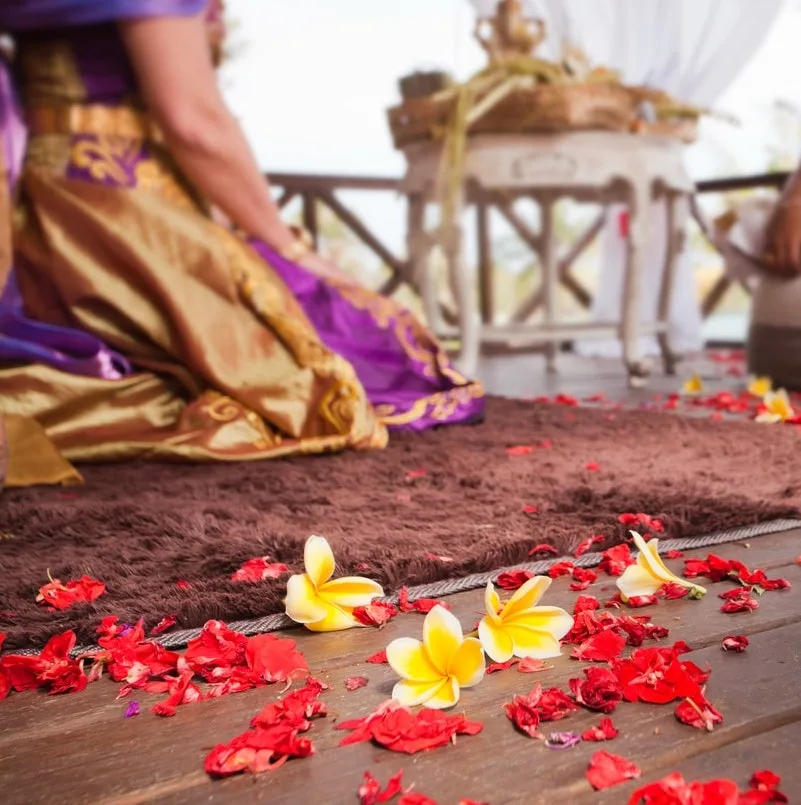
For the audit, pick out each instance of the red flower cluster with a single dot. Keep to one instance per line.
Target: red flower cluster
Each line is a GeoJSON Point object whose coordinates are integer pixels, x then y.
{"type": "Point", "coordinates": [599, 691]}
{"type": "Point", "coordinates": [659, 676]}
{"type": "Point", "coordinates": [399, 729]}
{"type": "Point", "coordinates": [421, 605]}
{"type": "Point", "coordinates": [615, 560]}
{"type": "Point", "coordinates": [63, 596]}
{"type": "Point", "coordinates": [716, 568]}
{"type": "Point", "coordinates": [513, 579]}
{"type": "Point", "coordinates": [377, 613]}
{"type": "Point", "coordinates": [259, 569]}
{"type": "Point", "coordinates": [674, 790]}
{"type": "Point", "coordinates": [53, 669]}
{"type": "Point", "coordinates": [274, 738]}
{"type": "Point", "coordinates": [589, 624]}
{"type": "Point", "coordinates": [529, 710]}
{"type": "Point", "coordinates": [637, 520]}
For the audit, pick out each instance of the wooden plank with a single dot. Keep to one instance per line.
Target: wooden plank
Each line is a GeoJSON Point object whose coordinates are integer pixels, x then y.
{"type": "Point", "coordinates": [474, 766]}
{"type": "Point", "coordinates": [89, 745]}
{"type": "Point", "coordinates": [729, 183]}
{"type": "Point", "coordinates": [485, 266]}
{"type": "Point", "coordinates": [310, 218]}
{"type": "Point", "coordinates": [736, 762]}
{"type": "Point", "coordinates": [300, 182]}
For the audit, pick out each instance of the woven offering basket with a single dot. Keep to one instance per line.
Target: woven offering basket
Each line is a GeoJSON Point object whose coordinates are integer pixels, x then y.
{"type": "Point", "coordinates": [542, 108]}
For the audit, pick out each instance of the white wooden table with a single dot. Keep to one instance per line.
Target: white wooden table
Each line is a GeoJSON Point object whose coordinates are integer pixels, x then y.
{"type": "Point", "coordinates": [589, 166]}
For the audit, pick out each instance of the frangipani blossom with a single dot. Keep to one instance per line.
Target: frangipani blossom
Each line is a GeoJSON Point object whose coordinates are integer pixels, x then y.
{"type": "Point", "coordinates": [323, 604]}
{"type": "Point", "coordinates": [434, 671]}
{"type": "Point", "coordinates": [760, 386]}
{"type": "Point", "coordinates": [776, 407]}
{"type": "Point", "coordinates": [649, 574]}
{"type": "Point", "coordinates": [519, 628]}
{"type": "Point", "coordinates": [693, 386]}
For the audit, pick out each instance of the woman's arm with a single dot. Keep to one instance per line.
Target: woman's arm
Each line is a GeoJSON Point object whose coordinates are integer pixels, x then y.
{"type": "Point", "coordinates": [171, 59]}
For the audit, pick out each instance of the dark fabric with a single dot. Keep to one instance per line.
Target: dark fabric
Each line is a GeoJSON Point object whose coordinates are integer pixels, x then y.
{"type": "Point", "coordinates": [775, 352]}
{"type": "Point", "coordinates": [140, 528]}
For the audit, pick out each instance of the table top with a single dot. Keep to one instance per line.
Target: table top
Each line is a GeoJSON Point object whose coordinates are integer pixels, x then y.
{"type": "Point", "coordinates": [561, 161]}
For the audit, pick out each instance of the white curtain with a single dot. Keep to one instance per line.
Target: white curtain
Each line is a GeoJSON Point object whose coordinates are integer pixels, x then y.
{"type": "Point", "coordinates": [693, 49]}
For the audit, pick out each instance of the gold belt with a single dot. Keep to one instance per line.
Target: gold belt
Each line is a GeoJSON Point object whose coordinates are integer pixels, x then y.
{"type": "Point", "coordinates": [103, 121]}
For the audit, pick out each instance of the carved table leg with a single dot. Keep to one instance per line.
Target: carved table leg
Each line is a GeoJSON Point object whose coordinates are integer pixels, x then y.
{"type": "Point", "coordinates": [418, 250]}
{"type": "Point", "coordinates": [550, 276]}
{"type": "Point", "coordinates": [463, 282]}
{"type": "Point", "coordinates": [639, 230]}
{"type": "Point", "coordinates": [677, 215]}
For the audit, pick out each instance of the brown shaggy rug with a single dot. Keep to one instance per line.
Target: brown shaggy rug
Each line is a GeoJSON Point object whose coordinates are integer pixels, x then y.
{"type": "Point", "coordinates": [455, 493]}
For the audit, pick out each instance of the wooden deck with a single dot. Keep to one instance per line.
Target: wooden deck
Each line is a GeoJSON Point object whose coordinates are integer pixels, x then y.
{"type": "Point", "coordinates": [80, 748]}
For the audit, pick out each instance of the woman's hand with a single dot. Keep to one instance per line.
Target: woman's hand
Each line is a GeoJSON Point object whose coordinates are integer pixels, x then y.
{"type": "Point", "coordinates": [327, 270]}
{"type": "Point", "coordinates": [782, 252]}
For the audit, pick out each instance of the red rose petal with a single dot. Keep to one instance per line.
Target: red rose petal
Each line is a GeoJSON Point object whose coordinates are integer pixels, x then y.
{"type": "Point", "coordinates": [377, 613]}
{"type": "Point", "coordinates": [560, 569]}
{"type": "Point", "coordinates": [606, 770]}
{"type": "Point", "coordinates": [494, 667]}
{"type": "Point", "coordinates": [737, 643]}
{"type": "Point", "coordinates": [531, 665]}
{"type": "Point", "coordinates": [600, 690]}
{"type": "Point", "coordinates": [543, 548]}
{"type": "Point", "coordinates": [378, 658]}
{"type": "Point", "coordinates": [63, 596]}
{"type": "Point", "coordinates": [355, 682]}
{"type": "Point", "coordinates": [520, 450]}
{"type": "Point", "coordinates": [698, 713]}
{"type": "Point", "coordinates": [513, 579]}
{"type": "Point", "coordinates": [413, 475]}
{"type": "Point", "coordinates": [602, 647]}
{"type": "Point", "coordinates": [371, 793]}
{"type": "Point", "coordinates": [605, 731]}
{"type": "Point", "coordinates": [615, 560]}
{"type": "Point", "coordinates": [674, 554]}
{"type": "Point", "coordinates": [586, 544]}
{"type": "Point", "coordinates": [163, 625]}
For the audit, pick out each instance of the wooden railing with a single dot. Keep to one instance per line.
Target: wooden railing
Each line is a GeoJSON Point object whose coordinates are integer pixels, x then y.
{"type": "Point", "coordinates": [316, 190]}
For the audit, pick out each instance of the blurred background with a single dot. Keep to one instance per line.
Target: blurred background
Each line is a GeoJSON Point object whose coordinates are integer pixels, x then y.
{"type": "Point", "coordinates": [311, 81]}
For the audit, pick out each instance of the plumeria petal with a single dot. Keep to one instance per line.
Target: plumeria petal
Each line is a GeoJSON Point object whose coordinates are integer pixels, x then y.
{"type": "Point", "coordinates": [492, 602]}
{"type": "Point", "coordinates": [442, 636]}
{"type": "Point", "coordinates": [467, 665]}
{"type": "Point", "coordinates": [350, 591]}
{"type": "Point", "coordinates": [302, 603]}
{"type": "Point", "coordinates": [527, 596]}
{"type": "Point", "coordinates": [533, 643]}
{"type": "Point", "coordinates": [637, 581]}
{"type": "Point", "coordinates": [546, 619]}
{"type": "Point", "coordinates": [649, 554]}
{"type": "Point", "coordinates": [410, 694]}
{"type": "Point", "coordinates": [496, 642]}
{"type": "Point", "coordinates": [318, 559]}
{"type": "Point", "coordinates": [447, 695]}
{"type": "Point", "coordinates": [408, 659]}
{"type": "Point", "coordinates": [336, 619]}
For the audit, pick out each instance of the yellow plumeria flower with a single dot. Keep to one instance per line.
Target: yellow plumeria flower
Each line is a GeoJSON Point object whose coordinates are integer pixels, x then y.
{"type": "Point", "coordinates": [321, 603]}
{"type": "Point", "coordinates": [777, 407]}
{"type": "Point", "coordinates": [693, 386]}
{"type": "Point", "coordinates": [519, 628]}
{"type": "Point", "coordinates": [434, 671]}
{"type": "Point", "coordinates": [649, 574]}
{"type": "Point", "coordinates": [760, 386]}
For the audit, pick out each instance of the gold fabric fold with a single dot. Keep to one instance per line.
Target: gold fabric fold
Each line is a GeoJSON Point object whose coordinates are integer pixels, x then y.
{"type": "Point", "coordinates": [231, 367]}
{"type": "Point", "coordinates": [33, 458]}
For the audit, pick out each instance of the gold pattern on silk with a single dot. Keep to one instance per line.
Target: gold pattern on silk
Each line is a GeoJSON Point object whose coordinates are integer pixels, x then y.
{"type": "Point", "coordinates": [107, 158]}
{"type": "Point", "coordinates": [440, 406]}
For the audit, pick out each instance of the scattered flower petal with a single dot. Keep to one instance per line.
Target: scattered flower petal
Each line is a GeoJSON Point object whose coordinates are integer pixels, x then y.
{"type": "Point", "coordinates": [376, 614]}
{"type": "Point", "coordinates": [601, 647]}
{"type": "Point", "coordinates": [371, 793]}
{"type": "Point", "coordinates": [323, 604]}
{"type": "Point", "coordinates": [182, 584]}
{"type": "Point", "coordinates": [586, 544]}
{"type": "Point", "coordinates": [520, 628]}
{"type": "Point", "coordinates": [63, 596]}
{"type": "Point", "coordinates": [561, 569]}
{"type": "Point", "coordinates": [529, 510]}
{"type": "Point", "coordinates": [606, 770]}
{"type": "Point", "coordinates": [532, 665]}
{"type": "Point", "coordinates": [543, 547]}
{"type": "Point", "coordinates": [398, 729]}
{"type": "Point", "coordinates": [592, 466]}
{"type": "Point", "coordinates": [512, 579]}
{"type": "Point", "coordinates": [605, 731]}
{"type": "Point", "coordinates": [563, 740]}
{"type": "Point", "coordinates": [649, 574]}
{"type": "Point", "coordinates": [494, 667]}
{"type": "Point", "coordinates": [433, 671]}
{"type": "Point", "coordinates": [599, 691]}
{"type": "Point", "coordinates": [259, 569]}
{"type": "Point", "coordinates": [527, 711]}
{"type": "Point", "coordinates": [737, 643]}
{"type": "Point", "coordinates": [775, 408]}
{"type": "Point", "coordinates": [165, 623]}
{"type": "Point", "coordinates": [379, 658]}
{"type": "Point", "coordinates": [355, 682]}
{"type": "Point", "coordinates": [693, 386]}
{"type": "Point", "coordinates": [520, 450]}
{"type": "Point", "coordinates": [132, 710]}
{"type": "Point", "coordinates": [615, 560]}
{"type": "Point", "coordinates": [414, 475]}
